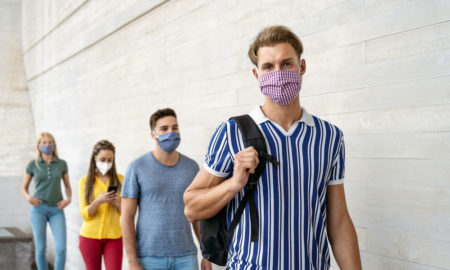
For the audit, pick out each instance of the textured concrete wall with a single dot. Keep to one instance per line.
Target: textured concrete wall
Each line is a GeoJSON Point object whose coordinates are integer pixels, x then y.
{"type": "Point", "coordinates": [16, 122]}
{"type": "Point", "coordinates": [379, 69]}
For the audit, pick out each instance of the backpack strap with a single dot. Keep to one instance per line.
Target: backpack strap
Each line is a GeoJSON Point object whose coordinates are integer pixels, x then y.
{"type": "Point", "coordinates": [252, 137]}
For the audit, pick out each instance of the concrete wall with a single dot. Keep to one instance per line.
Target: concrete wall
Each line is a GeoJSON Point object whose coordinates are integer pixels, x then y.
{"type": "Point", "coordinates": [17, 142]}
{"type": "Point", "coordinates": [379, 69]}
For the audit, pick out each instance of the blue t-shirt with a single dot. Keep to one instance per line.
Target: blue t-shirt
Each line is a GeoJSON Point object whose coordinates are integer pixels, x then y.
{"type": "Point", "coordinates": [162, 229]}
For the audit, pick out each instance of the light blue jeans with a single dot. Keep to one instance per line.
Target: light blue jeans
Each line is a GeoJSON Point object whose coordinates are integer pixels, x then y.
{"type": "Point", "coordinates": [39, 217]}
{"type": "Point", "coordinates": [188, 262]}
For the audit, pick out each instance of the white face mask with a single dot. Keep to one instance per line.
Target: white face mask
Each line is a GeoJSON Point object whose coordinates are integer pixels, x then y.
{"type": "Point", "coordinates": [103, 167]}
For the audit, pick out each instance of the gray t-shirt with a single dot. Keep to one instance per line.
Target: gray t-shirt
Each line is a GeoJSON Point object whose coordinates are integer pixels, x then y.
{"type": "Point", "coordinates": [162, 229]}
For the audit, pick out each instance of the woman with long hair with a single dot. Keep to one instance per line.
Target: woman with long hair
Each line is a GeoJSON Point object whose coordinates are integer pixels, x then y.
{"type": "Point", "coordinates": [48, 203]}
{"type": "Point", "coordinates": [99, 196]}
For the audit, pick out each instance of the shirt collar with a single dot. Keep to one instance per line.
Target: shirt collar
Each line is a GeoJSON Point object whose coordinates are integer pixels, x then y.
{"type": "Point", "coordinates": [54, 159]}
{"type": "Point", "coordinates": [258, 116]}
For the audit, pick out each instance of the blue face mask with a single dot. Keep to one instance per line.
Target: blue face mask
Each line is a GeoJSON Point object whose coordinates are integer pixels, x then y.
{"type": "Point", "coordinates": [47, 149]}
{"type": "Point", "coordinates": [169, 141]}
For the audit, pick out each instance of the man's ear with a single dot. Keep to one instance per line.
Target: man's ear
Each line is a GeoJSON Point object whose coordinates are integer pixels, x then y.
{"type": "Point", "coordinates": [255, 73]}
{"type": "Point", "coordinates": [152, 134]}
{"type": "Point", "coordinates": [302, 67]}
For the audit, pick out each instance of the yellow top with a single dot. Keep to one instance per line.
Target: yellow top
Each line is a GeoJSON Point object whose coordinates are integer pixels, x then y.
{"type": "Point", "coordinates": [105, 224]}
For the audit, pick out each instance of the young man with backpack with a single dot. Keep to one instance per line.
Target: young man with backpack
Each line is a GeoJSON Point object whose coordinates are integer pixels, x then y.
{"type": "Point", "coordinates": [299, 197]}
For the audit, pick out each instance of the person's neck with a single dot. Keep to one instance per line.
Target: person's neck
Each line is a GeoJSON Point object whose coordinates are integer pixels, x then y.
{"type": "Point", "coordinates": [47, 158]}
{"type": "Point", "coordinates": [285, 116]}
{"type": "Point", "coordinates": [100, 176]}
{"type": "Point", "coordinates": [167, 159]}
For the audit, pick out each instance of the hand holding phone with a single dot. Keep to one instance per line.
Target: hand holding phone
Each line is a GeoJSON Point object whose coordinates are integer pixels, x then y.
{"type": "Point", "coordinates": [112, 188]}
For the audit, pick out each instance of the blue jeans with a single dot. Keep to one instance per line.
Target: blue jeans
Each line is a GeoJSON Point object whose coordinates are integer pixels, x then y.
{"type": "Point", "coordinates": [188, 262]}
{"type": "Point", "coordinates": [39, 216]}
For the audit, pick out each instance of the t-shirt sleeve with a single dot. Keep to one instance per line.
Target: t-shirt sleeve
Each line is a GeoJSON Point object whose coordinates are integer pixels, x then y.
{"type": "Point", "coordinates": [196, 168]}
{"type": "Point", "coordinates": [338, 168]}
{"type": "Point", "coordinates": [65, 169]}
{"type": "Point", "coordinates": [29, 169]}
{"type": "Point", "coordinates": [130, 185]}
{"type": "Point", "coordinates": [83, 204]}
{"type": "Point", "coordinates": [219, 161]}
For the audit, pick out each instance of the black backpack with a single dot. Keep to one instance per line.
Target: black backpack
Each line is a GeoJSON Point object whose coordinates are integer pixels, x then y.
{"type": "Point", "coordinates": [215, 236]}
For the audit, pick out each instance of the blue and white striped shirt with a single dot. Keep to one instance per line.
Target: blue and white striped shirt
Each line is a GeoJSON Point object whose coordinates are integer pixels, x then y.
{"type": "Point", "coordinates": [291, 198]}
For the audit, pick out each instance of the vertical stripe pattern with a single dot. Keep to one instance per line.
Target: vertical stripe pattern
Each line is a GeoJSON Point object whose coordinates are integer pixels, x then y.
{"type": "Point", "coordinates": [290, 198]}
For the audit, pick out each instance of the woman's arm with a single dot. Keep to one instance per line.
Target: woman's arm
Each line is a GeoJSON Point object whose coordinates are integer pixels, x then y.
{"type": "Point", "coordinates": [26, 183]}
{"type": "Point", "coordinates": [88, 211]}
{"type": "Point", "coordinates": [116, 202]}
{"type": "Point", "coordinates": [62, 204]}
{"type": "Point", "coordinates": [102, 198]}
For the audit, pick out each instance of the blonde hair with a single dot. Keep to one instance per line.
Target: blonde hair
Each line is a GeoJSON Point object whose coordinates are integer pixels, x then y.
{"type": "Point", "coordinates": [271, 36]}
{"type": "Point", "coordinates": [38, 151]}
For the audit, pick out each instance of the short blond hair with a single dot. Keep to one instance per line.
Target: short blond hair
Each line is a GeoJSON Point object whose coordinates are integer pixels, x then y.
{"type": "Point", "coordinates": [271, 36]}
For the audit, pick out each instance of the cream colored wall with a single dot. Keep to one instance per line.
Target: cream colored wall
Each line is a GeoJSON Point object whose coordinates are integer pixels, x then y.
{"type": "Point", "coordinates": [16, 122]}
{"type": "Point", "coordinates": [379, 69]}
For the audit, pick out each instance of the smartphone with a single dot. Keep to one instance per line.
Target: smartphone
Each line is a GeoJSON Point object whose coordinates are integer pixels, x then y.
{"type": "Point", "coordinates": [112, 188]}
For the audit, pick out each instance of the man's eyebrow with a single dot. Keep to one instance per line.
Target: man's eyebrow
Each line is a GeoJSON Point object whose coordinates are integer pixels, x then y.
{"type": "Point", "coordinates": [266, 63]}
{"type": "Point", "coordinates": [283, 60]}
{"type": "Point", "coordinates": [287, 59]}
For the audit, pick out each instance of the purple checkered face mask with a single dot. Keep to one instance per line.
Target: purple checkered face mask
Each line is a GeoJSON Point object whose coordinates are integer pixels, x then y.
{"type": "Point", "coordinates": [281, 86]}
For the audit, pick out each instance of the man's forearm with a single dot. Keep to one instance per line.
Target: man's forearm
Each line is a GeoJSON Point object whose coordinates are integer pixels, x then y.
{"type": "Point", "coordinates": [344, 243]}
{"type": "Point", "coordinates": [129, 239]}
{"type": "Point", "coordinates": [205, 203]}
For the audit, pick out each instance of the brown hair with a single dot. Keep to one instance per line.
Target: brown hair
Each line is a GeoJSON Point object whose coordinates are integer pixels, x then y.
{"type": "Point", "coordinates": [38, 150]}
{"type": "Point", "coordinates": [271, 36]}
{"type": "Point", "coordinates": [90, 179]}
{"type": "Point", "coordinates": [160, 114]}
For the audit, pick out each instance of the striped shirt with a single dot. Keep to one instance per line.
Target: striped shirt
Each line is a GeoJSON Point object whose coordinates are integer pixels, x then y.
{"type": "Point", "coordinates": [291, 198]}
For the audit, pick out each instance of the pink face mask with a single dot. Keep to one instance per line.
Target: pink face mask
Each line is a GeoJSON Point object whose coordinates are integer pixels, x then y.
{"type": "Point", "coordinates": [281, 86]}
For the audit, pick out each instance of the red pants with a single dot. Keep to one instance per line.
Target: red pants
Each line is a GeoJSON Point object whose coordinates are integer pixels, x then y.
{"type": "Point", "coordinates": [92, 250]}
